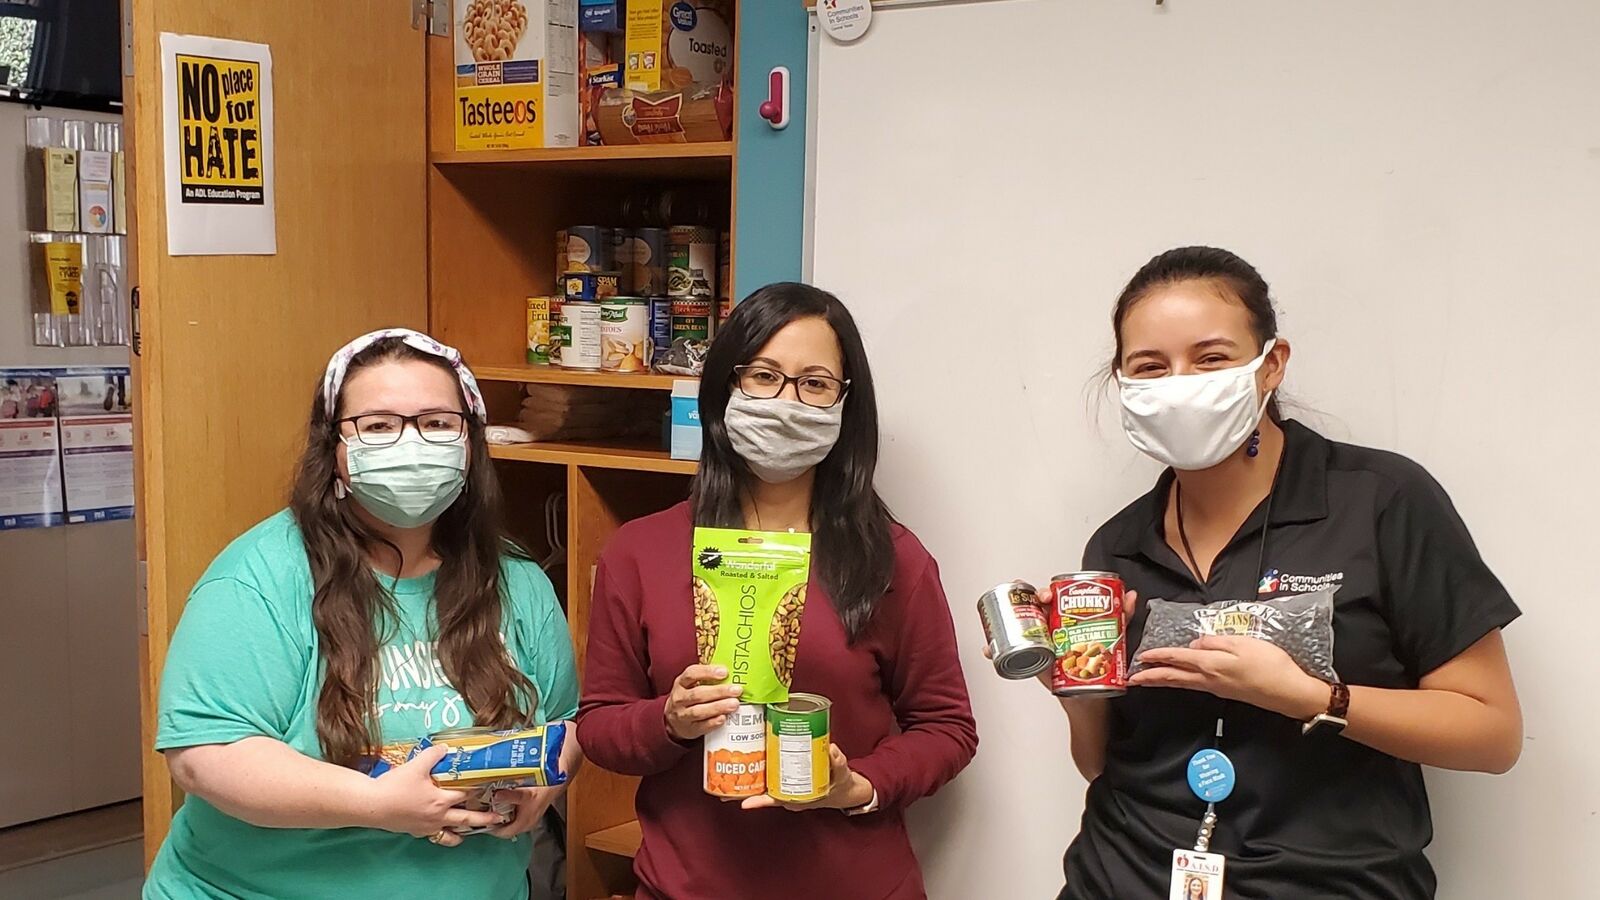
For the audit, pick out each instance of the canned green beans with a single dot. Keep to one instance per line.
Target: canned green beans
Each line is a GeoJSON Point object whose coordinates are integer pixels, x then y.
{"type": "Point", "coordinates": [797, 748]}
{"type": "Point", "coordinates": [1014, 624]}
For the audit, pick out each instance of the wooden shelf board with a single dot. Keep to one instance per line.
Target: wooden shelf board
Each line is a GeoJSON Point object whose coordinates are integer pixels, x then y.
{"type": "Point", "coordinates": [620, 840]}
{"type": "Point", "coordinates": [557, 375]}
{"type": "Point", "coordinates": [708, 160]}
{"type": "Point", "coordinates": [596, 455]}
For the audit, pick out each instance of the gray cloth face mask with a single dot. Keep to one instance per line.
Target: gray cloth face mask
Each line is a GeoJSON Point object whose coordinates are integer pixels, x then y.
{"type": "Point", "coordinates": [781, 439]}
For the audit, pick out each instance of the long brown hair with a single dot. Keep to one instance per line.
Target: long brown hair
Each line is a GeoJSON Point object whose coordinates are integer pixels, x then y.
{"type": "Point", "coordinates": [350, 603]}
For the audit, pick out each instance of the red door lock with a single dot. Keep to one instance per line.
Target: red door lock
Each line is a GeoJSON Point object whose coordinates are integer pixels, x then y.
{"type": "Point", "coordinates": [775, 109]}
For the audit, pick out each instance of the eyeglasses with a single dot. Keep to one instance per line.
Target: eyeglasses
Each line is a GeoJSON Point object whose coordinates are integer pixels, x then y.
{"type": "Point", "coordinates": [763, 383]}
{"type": "Point", "coordinates": [383, 429]}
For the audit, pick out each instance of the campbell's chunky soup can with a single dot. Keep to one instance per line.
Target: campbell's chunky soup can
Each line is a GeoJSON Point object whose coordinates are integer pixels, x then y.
{"type": "Point", "coordinates": [1089, 632]}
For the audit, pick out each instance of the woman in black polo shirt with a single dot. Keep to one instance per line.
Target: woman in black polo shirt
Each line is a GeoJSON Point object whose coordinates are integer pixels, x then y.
{"type": "Point", "coordinates": [1254, 505]}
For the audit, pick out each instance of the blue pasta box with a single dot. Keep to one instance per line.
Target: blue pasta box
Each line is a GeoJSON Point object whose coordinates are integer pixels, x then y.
{"type": "Point", "coordinates": [686, 433]}
{"type": "Point", "coordinates": [484, 757]}
{"type": "Point", "coordinates": [600, 15]}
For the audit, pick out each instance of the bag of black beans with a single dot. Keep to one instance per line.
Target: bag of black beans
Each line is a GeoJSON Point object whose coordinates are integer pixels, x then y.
{"type": "Point", "coordinates": [1301, 625]}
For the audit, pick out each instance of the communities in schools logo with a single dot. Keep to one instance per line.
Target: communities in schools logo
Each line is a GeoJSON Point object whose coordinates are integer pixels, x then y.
{"type": "Point", "coordinates": [1275, 582]}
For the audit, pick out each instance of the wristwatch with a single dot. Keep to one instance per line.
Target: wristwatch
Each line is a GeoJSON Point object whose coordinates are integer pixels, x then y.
{"type": "Point", "coordinates": [1338, 715]}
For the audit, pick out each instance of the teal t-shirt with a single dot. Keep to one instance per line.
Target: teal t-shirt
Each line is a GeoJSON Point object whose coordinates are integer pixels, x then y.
{"type": "Point", "coordinates": [244, 662]}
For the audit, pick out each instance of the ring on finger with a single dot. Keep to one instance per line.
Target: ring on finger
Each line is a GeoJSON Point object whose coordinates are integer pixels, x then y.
{"type": "Point", "coordinates": [437, 837]}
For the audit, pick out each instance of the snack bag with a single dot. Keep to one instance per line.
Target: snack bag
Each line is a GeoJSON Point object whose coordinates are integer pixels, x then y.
{"type": "Point", "coordinates": [749, 593]}
{"type": "Point", "coordinates": [1301, 625]}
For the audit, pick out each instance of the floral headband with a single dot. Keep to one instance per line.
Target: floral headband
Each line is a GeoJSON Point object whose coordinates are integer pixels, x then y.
{"type": "Point", "coordinates": [333, 379]}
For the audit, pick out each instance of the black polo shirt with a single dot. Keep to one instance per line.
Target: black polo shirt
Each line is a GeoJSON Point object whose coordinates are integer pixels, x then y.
{"type": "Point", "coordinates": [1311, 816]}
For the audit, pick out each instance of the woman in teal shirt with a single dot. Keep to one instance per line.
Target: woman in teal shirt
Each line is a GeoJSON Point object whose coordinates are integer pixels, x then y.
{"type": "Point", "coordinates": [385, 604]}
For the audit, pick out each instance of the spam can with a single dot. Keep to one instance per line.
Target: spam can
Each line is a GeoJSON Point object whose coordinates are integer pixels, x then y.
{"type": "Point", "coordinates": [797, 748]}
{"type": "Point", "coordinates": [736, 754]}
{"type": "Point", "coordinates": [592, 285]}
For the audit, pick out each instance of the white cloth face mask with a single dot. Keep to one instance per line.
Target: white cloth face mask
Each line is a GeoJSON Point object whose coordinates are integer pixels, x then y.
{"type": "Point", "coordinates": [1192, 422]}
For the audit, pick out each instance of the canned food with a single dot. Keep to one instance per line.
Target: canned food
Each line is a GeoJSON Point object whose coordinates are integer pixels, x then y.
{"type": "Point", "coordinates": [1089, 634]}
{"type": "Point", "coordinates": [691, 320]}
{"type": "Point", "coordinates": [797, 748]}
{"type": "Point", "coordinates": [736, 754]}
{"type": "Point", "coordinates": [1014, 623]}
{"type": "Point", "coordinates": [589, 248]}
{"type": "Point", "coordinates": [561, 261]}
{"type": "Point", "coordinates": [660, 326]}
{"type": "Point", "coordinates": [538, 331]}
{"type": "Point", "coordinates": [625, 335]}
{"type": "Point", "coordinates": [578, 336]}
{"type": "Point", "coordinates": [691, 262]}
{"type": "Point", "coordinates": [592, 285]}
{"type": "Point", "coordinates": [724, 310]}
{"type": "Point", "coordinates": [643, 261]}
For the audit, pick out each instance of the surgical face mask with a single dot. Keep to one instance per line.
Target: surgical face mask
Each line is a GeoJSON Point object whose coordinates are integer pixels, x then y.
{"type": "Point", "coordinates": [780, 439]}
{"type": "Point", "coordinates": [1192, 422]}
{"type": "Point", "coordinates": [408, 483]}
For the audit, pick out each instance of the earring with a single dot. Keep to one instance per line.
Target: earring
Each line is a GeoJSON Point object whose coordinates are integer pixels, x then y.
{"type": "Point", "coordinates": [1254, 446]}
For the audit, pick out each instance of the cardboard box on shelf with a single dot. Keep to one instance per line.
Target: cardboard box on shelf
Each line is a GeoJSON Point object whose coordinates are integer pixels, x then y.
{"type": "Point", "coordinates": [678, 43]}
{"type": "Point", "coordinates": [698, 113]}
{"type": "Point", "coordinates": [516, 74]}
{"type": "Point", "coordinates": [599, 70]}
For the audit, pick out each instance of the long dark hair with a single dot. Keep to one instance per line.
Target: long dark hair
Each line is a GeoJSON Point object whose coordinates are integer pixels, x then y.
{"type": "Point", "coordinates": [853, 551]}
{"type": "Point", "coordinates": [1223, 268]}
{"type": "Point", "coordinates": [350, 604]}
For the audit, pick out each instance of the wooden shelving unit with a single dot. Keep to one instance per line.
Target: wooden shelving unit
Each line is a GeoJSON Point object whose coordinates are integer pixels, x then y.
{"type": "Point", "coordinates": [641, 161]}
{"type": "Point", "coordinates": [620, 840]}
{"type": "Point", "coordinates": [557, 375]}
{"type": "Point", "coordinates": [600, 455]}
{"type": "Point", "coordinates": [492, 220]}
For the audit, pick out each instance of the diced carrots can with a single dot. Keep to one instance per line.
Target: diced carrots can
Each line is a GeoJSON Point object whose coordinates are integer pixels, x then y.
{"type": "Point", "coordinates": [736, 754]}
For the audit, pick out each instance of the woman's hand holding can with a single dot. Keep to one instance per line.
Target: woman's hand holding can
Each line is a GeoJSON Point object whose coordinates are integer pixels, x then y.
{"type": "Point", "coordinates": [407, 801]}
{"type": "Point", "coordinates": [699, 703]}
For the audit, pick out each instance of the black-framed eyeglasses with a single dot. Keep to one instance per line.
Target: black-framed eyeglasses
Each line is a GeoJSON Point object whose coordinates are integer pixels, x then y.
{"type": "Point", "coordinates": [765, 383]}
{"type": "Point", "coordinates": [383, 429]}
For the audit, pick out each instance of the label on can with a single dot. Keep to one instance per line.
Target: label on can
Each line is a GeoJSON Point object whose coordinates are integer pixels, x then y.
{"type": "Point", "coordinates": [561, 260]}
{"type": "Point", "coordinates": [625, 335]}
{"type": "Point", "coordinates": [643, 260]}
{"type": "Point", "coordinates": [692, 262]}
{"type": "Point", "coordinates": [592, 285]}
{"type": "Point", "coordinates": [724, 309]}
{"type": "Point", "coordinates": [1089, 632]}
{"type": "Point", "coordinates": [589, 249]}
{"type": "Point", "coordinates": [661, 325]}
{"type": "Point", "coordinates": [538, 331]}
{"type": "Point", "coordinates": [797, 748]}
{"type": "Point", "coordinates": [736, 754]}
{"type": "Point", "coordinates": [580, 335]}
{"type": "Point", "coordinates": [691, 319]}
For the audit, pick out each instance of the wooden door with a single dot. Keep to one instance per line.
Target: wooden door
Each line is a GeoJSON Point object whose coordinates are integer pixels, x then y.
{"type": "Point", "coordinates": [232, 346]}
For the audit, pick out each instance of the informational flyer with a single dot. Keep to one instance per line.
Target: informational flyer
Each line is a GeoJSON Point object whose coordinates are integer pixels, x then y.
{"type": "Point", "coordinates": [96, 443]}
{"type": "Point", "coordinates": [217, 123]}
{"type": "Point", "coordinates": [30, 457]}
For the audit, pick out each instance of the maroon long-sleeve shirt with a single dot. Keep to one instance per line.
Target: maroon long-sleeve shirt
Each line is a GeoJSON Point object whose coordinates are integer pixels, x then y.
{"type": "Point", "coordinates": [900, 713]}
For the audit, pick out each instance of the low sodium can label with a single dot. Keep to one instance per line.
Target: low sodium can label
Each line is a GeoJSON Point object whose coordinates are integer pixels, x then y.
{"type": "Point", "coordinates": [736, 754]}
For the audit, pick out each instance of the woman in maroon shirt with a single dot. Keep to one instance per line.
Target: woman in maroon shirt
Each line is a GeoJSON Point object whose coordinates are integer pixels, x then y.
{"type": "Point", "coordinates": [791, 442]}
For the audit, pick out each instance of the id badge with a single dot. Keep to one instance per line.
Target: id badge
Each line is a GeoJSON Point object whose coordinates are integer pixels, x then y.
{"type": "Point", "coordinates": [1196, 875]}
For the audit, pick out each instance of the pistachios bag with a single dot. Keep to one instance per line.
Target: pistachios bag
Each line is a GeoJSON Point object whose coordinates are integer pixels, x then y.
{"type": "Point", "coordinates": [749, 594]}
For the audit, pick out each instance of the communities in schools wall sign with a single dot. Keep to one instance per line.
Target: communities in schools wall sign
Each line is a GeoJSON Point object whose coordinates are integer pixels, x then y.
{"type": "Point", "coordinates": [217, 111]}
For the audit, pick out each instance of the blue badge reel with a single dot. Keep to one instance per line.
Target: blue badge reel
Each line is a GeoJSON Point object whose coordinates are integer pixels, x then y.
{"type": "Point", "coordinates": [1211, 775]}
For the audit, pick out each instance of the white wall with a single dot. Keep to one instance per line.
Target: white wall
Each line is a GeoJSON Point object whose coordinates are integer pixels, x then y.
{"type": "Point", "coordinates": [1420, 182]}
